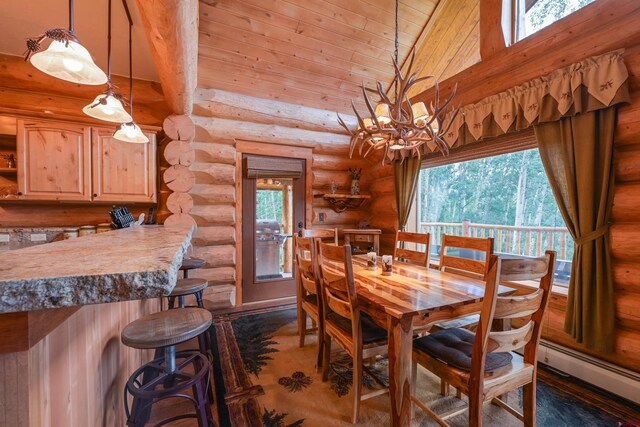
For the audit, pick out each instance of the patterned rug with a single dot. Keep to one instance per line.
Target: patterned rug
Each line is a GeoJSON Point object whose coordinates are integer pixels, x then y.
{"type": "Point", "coordinates": [263, 378]}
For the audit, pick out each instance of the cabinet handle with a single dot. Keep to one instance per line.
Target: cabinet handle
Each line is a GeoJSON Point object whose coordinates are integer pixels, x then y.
{"type": "Point", "coordinates": [95, 195]}
{"type": "Point", "coordinates": [19, 193]}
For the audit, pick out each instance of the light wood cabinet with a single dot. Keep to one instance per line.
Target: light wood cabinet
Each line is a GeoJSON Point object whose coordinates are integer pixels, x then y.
{"type": "Point", "coordinates": [122, 171]}
{"type": "Point", "coordinates": [75, 162]}
{"type": "Point", "coordinates": [54, 161]}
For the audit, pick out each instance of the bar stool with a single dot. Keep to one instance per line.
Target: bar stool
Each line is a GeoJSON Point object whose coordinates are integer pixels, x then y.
{"type": "Point", "coordinates": [166, 376]}
{"type": "Point", "coordinates": [191, 264]}
{"type": "Point", "coordinates": [185, 287]}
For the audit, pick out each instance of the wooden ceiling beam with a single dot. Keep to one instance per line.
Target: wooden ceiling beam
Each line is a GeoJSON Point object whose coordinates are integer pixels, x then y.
{"type": "Point", "coordinates": [234, 106]}
{"type": "Point", "coordinates": [495, 26]}
{"type": "Point", "coordinates": [172, 31]}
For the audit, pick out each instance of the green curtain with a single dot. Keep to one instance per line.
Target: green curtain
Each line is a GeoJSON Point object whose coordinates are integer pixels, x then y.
{"type": "Point", "coordinates": [406, 173]}
{"type": "Point", "coordinates": [577, 154]}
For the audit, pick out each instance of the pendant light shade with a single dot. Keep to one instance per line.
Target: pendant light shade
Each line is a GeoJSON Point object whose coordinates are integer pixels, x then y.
{"type": "Point", "coordinates": [65, 58]}
{"type": "Point", "coordinates": [108, 108]}
{"type": "Point", "coordinates": [130, 132]}
{"type": "Point", "coordinates": [69, 61]}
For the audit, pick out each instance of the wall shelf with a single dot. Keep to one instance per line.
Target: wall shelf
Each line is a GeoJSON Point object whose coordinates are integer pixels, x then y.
{"type": "Point", "coordinates": [8, 171]}
{"type": "Point", "coordinates": [342, 202]}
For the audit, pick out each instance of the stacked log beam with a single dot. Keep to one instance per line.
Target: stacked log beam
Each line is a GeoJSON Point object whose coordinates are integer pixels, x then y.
{"type": "Point", "coordinates": [177, 179]}
{"type": "Point", "coordinates": [214, 199]}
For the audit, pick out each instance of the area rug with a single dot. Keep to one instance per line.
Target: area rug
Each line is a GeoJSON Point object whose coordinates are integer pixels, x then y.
{"type": "Point", "coordinates": [263, 378]}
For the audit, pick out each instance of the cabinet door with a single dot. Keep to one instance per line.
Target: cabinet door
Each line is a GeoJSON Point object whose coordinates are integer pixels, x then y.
{"type": "Point", "coordinates": [53, 161]}
{"type": "Point", "coordinates": [123, 171]}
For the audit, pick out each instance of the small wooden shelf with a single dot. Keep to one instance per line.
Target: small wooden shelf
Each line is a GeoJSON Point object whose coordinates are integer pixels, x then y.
{"type": "Point", "coordinates": [8, 171]}
{"type": "Point", "coordinates": [342, 202]}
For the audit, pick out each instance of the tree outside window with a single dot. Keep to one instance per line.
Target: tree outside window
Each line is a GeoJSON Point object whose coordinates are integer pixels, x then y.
{"type": "Point", "coordinates": [542, 13]}
{"type": "Point", "coordinates": [507, 197]}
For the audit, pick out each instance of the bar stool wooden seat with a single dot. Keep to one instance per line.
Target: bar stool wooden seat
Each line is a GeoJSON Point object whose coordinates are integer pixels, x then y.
{"type": "Point", "coordinates": [186, 287]}
{"type": "Point", "coordinates": [172, 374]}
{"type": "Point", "coordinates": [191, 264]}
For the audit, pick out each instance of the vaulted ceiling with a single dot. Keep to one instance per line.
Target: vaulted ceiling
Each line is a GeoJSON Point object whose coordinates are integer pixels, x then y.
{"type": "Point", "coordinates": [309, 52]}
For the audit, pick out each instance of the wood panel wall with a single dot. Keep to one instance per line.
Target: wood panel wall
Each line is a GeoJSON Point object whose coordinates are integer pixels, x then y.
{"type": "Point", "coordinates": [215, 167]}
{"type": "Point", "coordinates": [76, 374]}
{"type": "Point", "coordinates": [600, 27]}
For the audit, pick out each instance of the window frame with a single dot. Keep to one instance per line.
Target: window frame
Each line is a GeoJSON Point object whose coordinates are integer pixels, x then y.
{"type": "Point", "coordinates": [505, 144]}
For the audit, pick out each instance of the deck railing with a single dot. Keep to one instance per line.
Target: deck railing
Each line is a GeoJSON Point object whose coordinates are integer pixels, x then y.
{"type": "Point", "coordinates": [528, 241]}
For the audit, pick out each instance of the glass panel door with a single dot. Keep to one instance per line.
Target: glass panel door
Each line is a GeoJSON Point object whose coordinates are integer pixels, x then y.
{"type": "Point", "coordinates": [273, 209]}
{"type": "Point", "coordinates": [274, 229]}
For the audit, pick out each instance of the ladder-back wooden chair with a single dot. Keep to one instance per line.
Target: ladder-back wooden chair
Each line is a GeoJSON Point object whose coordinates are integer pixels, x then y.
{"type": "Point", "coordinates": [409, 255]}
{"type": "Point", "coordinates": [484, 365]}
{"type": "Point", "coordinates": [472, 267]}
{"type": "Point", "coordinates": [309, 300]}
{"type": "Point", "coordinates": [352, 329]}
{"type": "Point", "coordinates": [466, 265]}
{"type": "Point", "coordinates": [324, 234]}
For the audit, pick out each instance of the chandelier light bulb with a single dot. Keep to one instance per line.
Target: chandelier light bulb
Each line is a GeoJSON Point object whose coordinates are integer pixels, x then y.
{"type": "Point", "coordinates": [69, 61]}
{"type": "Point", "coordinates": [420, 113]}
{"type": "Point", "coordinates": [368, 123]}
{"type": "Point", "coordinates": [383, 113]}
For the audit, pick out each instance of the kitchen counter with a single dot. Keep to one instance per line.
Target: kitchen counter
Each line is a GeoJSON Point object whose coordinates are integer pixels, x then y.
{"type": "Point", "coordinates": [119, 265]}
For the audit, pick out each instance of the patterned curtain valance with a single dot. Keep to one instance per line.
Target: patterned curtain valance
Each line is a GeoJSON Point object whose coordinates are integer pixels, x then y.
{"type": "Point", "coordinates": [592, 84]}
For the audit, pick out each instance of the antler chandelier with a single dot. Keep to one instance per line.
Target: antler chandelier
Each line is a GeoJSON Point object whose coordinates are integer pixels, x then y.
{"type": "Point", "coordinates": [397, 124]}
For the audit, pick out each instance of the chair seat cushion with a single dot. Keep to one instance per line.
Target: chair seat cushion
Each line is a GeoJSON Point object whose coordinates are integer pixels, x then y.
{"type": "Point", "coordinates": [370, 331]}
{"type": "Point", "coordinates": [454, 347]}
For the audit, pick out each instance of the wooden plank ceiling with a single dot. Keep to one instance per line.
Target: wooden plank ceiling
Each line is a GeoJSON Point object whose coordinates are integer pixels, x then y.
{"type": "Point", "coordinates": [307, 52]}
{"type": "Point", "coordinates": [450, 42]}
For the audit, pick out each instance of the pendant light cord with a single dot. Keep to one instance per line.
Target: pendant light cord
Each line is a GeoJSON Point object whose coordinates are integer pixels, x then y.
{"type": "Point", "coordinates": [126, 9]}
{"type": "Point", "coordinates": [71, 23]}
{"type": "Point", "coordinates": [109, 47]}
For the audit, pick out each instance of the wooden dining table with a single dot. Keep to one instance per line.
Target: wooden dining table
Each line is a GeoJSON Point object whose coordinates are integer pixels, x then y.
{"type": "Point", "coordinates": [412, 297]}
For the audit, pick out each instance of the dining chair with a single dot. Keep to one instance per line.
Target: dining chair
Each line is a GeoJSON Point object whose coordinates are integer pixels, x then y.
{"type": "Point", "coordinates": [308, 292]}
{"type": "Point", "coordinates": [323, 234]}
{"type": "Point", "coordinates": [344, 322]}
{"type": "Point", "coordinates": [472, 267]}
{"type": "Point", "coordinates": [461, 264]}
{"type": "Point", "coordinates": [410, 255]}
{"type": "Point", "coordinates": [483, 365]}
{"type": "Point", "coordinates": [468, 266]}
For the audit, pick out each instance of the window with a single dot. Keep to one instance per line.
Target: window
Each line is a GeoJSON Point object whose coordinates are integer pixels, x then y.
{"type": "Point", "coordinates": [507, 197]}
{"type": "Point", "coordinates": [534, 15]}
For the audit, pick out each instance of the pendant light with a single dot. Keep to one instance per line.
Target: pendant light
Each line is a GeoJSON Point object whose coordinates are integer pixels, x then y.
{"type": "Point", "coordinates": [130, 132]}
{"type": "Point", "coordinates": [65, 58]}
{"type": "Point", "coordinates": [108, 105]}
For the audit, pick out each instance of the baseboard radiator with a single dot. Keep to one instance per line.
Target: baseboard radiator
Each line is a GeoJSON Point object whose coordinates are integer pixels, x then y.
{"type": "Point", "coordinates": [614, 379]}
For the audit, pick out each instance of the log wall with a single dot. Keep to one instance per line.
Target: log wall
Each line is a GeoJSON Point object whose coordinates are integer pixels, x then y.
{"type": "Point", "coordinates": [598, 28]}
{"type": "Point", "coordinates": [215, 191]}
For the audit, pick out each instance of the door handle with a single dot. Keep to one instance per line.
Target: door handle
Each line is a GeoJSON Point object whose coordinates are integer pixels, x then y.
{"type": "Point", "coordinates": [300, 225]}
